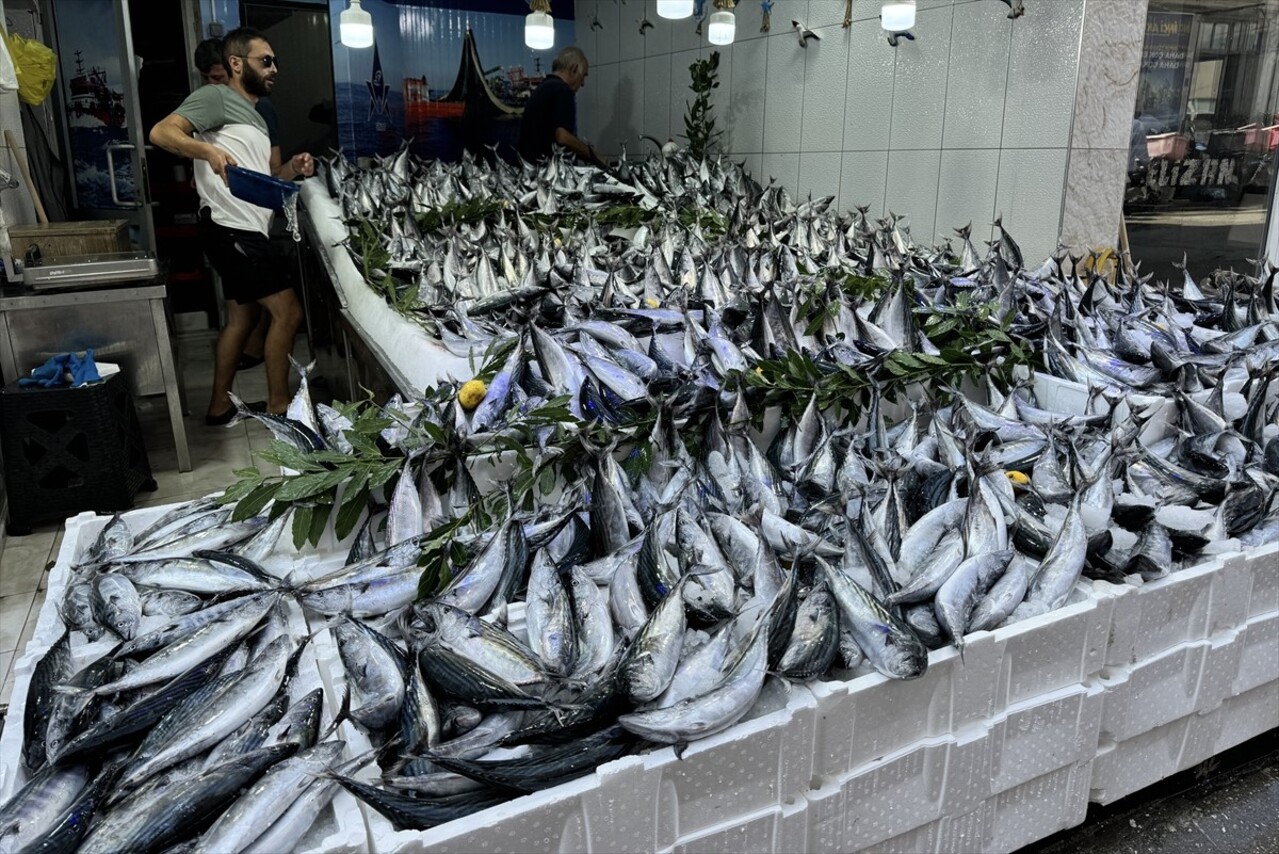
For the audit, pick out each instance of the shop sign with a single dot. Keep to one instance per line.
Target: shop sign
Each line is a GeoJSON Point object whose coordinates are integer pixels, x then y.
{"type": "Point", "coordinates": [1208, 172]}
{"type": "Point", "coordinates": [1165, 63]}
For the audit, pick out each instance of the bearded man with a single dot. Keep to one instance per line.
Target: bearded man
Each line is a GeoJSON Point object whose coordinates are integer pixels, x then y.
{"type": "Point", "coordinates": [218, 126]}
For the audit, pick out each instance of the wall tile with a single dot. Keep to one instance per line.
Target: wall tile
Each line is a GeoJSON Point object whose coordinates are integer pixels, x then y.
{"type": "Point", "coordinates": [1094, 197]}
{"type": "Point", "coordinates": [784, 95]}
{"type": "Point", "coordinates": [657, 39]}
{"type": "Point", "coordinates": [823, 13]}
{"type": "Point", "coordinates": [631, 45]}
{"type": "Point", "coordinates": [657, 97]}
{"type": "Point", "coordinates": [583, 12]}
{"type": "Point", "coordinates": [630, 96]}
{"type": "Point", "coordinates": [966, 192]}
{"type": "Point", "coordinates": [684, 34]}
{"type": "Point", "coordinates": [1109, 68]}
{"type": "Point", "coordinates": [606, 113]}
{"type": "Point", "coordinates": [1041, 77]}
{"type": "Point", "coordinates": [819, 174]}
{"type": "Point", "coordinates": [782, 167]}
{"type": "Point", "coordinates": [753, 164]}
{"type": "Point", "coordinates": [745, 118]}
{"type": "Point", "coordinates": [868, 106]}
{"type": "Point", "coordinates": [919, 85]}
{"type": "Point", "coordinates": [1031, 184]}
{"type": "Point", "coordinates": [608, 38]}
{"type": "Point", "coordinates": [912, 190]}
{"type": "Point", "coordinates": [978, 78]}
{"type": "Point", "coordinates": [825, 79]}
{"type": "Point", "coordinates": [863, 176]}
{"type": "Point", "coordinates": [749, 18]}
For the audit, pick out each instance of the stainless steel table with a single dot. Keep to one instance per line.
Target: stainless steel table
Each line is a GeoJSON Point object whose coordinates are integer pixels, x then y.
{"type": "Point", "coordinates": [127, 325]}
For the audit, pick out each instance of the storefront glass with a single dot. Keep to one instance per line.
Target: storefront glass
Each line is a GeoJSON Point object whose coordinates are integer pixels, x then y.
{"type": "Point", "coordinates": [1202, 164]}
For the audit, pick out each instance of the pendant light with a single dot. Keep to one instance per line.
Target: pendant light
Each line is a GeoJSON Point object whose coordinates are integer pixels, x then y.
{"type": "Point", "coordinates": [897, 16]}
{"type": "Point", "coordinates": [723, 23]}
{"type": "Point", "coordinates": [355, 26]}
{"type": "Point", "coordinates": [674, 9]}
{"type": "Point", "coordinates": [539, 27]}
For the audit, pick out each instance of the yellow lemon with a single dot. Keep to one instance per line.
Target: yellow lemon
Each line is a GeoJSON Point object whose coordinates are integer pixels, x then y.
{"type": "Point", "coordinates": [652, 303]}
{"type": "Point", "coordinates": [1018, 478]}
{"type": "Point", "coordinates": [471, 393]}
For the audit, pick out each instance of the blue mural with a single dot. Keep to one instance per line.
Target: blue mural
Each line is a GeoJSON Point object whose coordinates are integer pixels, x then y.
{"type": "Point", "coordinates": [445, 76]}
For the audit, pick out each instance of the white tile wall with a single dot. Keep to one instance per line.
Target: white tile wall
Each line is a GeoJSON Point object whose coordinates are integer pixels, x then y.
{"type": "Point", "coordinates": [825, 79]}
{"type": "Point", "coordinates": [1031, 184]}
{"type": "Point", "coordinates": [819, 173]}
{"type": "Point", "coordinates": [919, 87]}
{"type": "Point", "coordinates": [912, 190]}
{"type": "Point", "coordinates": [1042, 75]}
{"type": "Point", "coordinates": [966, 192]}
{"type": "Point", "coordinates": [784, 93]}
{"type": "Point", "coordinates": [658, 94]}
{"type": "Point", "coordinates": [971, 119]}
{"type": "Point", "coordinates": [978, 79]}
{"type": "Point", "coordinates": [863, 176]}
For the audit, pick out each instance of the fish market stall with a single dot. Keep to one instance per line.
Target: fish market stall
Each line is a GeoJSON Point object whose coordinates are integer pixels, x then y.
{"type": "Point", "coordinates": [668, 625]}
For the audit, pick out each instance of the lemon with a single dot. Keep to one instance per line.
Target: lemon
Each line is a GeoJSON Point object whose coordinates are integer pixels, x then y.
{"type": "Point", "coordinates": [1018, 478]}
{"type": "Point", "coordinates": [471, 393]}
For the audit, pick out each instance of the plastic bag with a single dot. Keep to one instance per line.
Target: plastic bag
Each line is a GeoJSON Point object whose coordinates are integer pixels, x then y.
{"type": "Point", "coordinates": [35, 64]}
{"type": "Point", "coordinates": [8, 74]}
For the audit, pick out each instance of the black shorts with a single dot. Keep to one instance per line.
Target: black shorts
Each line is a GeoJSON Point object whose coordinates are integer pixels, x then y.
{"type": "Point", "coordinates": [250, 266]}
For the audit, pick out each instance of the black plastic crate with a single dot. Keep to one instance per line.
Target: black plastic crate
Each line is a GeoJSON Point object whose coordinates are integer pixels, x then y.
{"type": "Point", "coordinates": [70, 449]}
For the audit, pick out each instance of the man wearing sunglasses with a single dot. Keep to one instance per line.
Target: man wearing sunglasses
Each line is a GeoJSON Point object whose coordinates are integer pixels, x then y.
{"type": "Point", "coordinates": [217, 126]}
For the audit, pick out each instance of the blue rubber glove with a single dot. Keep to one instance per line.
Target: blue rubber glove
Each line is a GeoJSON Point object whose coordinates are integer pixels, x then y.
{"type": "Point", "coordinates": [48, 375]}
{"type": "Point", "coordinates": [83, 369]}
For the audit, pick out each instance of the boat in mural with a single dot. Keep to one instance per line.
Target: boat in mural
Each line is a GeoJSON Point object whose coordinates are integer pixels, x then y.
{"type": "Point", "coordinates": [93, 102]}
{"type": "Point", "coordinates": [471, 92]}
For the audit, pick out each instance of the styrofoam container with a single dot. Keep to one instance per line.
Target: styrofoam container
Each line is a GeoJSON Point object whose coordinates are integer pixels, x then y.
{"type": "Point", "coordinates": [1188, 605]}
{"type": "Point", "coordinates": [1068, 397]}
{"type": "Point", "coordinates": [340, 826]}
{"type": "Point", "coordinates": [1258, 654]}
{"type": "Point", "coordinates": [1192, 677]}
{"type": "Point", "coordinates": [872, 716]}
{"type": "Point", "coordinates": [1263, 598]}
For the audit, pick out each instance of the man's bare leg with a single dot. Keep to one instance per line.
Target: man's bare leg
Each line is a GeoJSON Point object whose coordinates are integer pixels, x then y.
{"type": "Point", "coordinates": [240, 319]}
{"type": "Point", "coordinates": [286, 317]}
{"type": "Point", "coordinates": [256, 345]}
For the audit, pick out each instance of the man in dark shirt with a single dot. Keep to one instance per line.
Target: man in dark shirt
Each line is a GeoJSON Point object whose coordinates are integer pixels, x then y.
{"type": "Point", "coordinates": [551, 113]}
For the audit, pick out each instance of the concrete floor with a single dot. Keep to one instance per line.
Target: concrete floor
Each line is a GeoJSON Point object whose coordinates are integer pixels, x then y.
{"type": "Point", "coordinates": [1228, 804]}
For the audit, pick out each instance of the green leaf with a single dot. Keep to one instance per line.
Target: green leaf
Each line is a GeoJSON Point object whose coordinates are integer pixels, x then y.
{"type": "Point", "coordinates": [250, 473]}
{"type": "Point", "coordinates": [302, 486]}
{"type": "Point", "coordinates": [238, 490]}
{"type": "Point", "coordinates": [353, 504]}
{"type": "Point", "coordinates": [319, 521]}
{"type": "Point", "coordinates": [302, 515]}
{"type": "Point", "coordinates": [288, 456]}
{"type": "Point", "coordinates": [252, 504]}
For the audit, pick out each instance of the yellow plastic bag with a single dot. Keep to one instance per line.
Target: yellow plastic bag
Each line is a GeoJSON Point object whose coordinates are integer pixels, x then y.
{"type": "Point", "coordinates": [35, 64]}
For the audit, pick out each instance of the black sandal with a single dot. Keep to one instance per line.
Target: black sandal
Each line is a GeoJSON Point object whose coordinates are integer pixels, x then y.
{"type": "Point", "coordinates": [246, 362]}
{"type": "Point", "coordinates": [227, 417]}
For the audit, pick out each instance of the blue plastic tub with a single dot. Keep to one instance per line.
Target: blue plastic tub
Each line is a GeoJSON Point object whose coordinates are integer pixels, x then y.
{"type": "Point", "coordinates": [259, 189]}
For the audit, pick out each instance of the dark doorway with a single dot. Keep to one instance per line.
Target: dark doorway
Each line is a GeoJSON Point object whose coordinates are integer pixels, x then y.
{"type": "Point", "coordinates": [299, 35]}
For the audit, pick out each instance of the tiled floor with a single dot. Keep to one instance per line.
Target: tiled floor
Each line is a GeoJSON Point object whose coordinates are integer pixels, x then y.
{"type": "Point", "coordinates": [215, 453]}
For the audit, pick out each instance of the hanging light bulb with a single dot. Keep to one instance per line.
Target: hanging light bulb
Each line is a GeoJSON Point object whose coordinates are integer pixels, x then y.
{"type": "Point", "coordinates": [355, 26]}
{"type": "Point", "coordinates": [539, 26]}
{"type": "Point", "coordinates": [723, 23]}
{"type": "Point", "coordinates": [674, 9]}
{"type": "Point", "coordinates": [897, 16]}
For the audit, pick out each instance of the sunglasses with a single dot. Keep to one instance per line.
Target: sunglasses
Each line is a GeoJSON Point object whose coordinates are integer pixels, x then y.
{"type": "Point", "coordinates": [268, 61]}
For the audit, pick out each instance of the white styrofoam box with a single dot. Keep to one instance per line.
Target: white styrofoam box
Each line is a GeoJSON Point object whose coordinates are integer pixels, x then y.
{"type": "Point", "coordinates": [1180, 607]}
{"type": "Point", "coordinates": [887, 798]}
{"type": "Point", "coordinates": [1258, 654]}
{"type": "Point", "coordinates": [1245, 716]}
{"type": "Point", "coordinates": [339, 828]}
{"type": "Point", "coordinates": [1037, 737]}
{"type": "Point", "coordinates": [1264, 595]}
{"type": "Point", "coordinates": [871, 716]}
{"type": "Point", "coordinates": [783, 828]}
{"type": "Point", "coordinates": [1032, 811]}
{"type": "Point", "coordinates": [745, 783]}
{"type": "Point", "coordinates": [1192, 677]}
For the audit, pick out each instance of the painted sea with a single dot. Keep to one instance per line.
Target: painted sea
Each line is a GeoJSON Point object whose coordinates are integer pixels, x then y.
{"type": "Point", "coordinates": [363, 132]}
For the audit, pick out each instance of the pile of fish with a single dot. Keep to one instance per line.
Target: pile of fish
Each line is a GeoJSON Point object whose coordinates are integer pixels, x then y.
{"type": "Point", "coordinates": [677, 567]}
